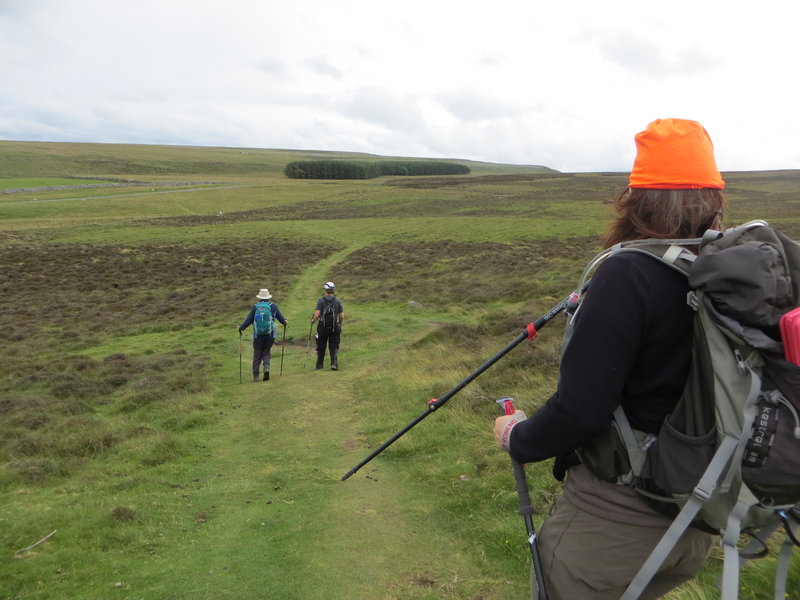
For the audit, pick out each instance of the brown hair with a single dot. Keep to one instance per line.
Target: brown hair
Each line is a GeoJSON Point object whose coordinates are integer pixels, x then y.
{"type": "Point", "coordinates": [665, 214]}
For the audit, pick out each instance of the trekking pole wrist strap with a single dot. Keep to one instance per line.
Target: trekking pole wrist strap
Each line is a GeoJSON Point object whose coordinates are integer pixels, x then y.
{"type": "Point", "coordinates": [505, 435]}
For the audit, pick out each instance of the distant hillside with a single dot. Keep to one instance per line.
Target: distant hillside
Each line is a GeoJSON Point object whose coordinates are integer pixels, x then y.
{"type": "Point", "coordinates": [45, 159]}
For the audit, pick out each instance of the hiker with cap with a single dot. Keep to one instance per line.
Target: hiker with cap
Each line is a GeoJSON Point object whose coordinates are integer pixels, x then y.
{"type": "Point", "coordinates": [630, 347]}
{"type": "Point", "coordinates": [329, 315]}
{"type": "Point", "coordinates": [263, 317]}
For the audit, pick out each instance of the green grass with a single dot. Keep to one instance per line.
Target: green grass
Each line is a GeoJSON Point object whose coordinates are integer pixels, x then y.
{"type": "Point", "coordinates": [18, 184]}
{"type": "Point", "coordinates": [124, 427]}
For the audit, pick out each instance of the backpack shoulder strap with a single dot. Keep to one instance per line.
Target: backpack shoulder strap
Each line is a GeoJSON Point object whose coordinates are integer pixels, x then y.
{"type": "Point", "coordinates": [672, 253]}
{"type": "Point", "coordinates": [701, 493]}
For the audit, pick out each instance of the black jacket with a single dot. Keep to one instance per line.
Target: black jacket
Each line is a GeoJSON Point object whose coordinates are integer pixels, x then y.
{"type": "Point", "coordinates": [631, 345]}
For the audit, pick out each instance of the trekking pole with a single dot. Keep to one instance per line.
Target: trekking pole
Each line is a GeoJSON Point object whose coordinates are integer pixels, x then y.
{"type": "Point", "coordinates": [529, 333]}
{"type": "Point", "coordinates": [308, 344]}
{"type": "Point", "coordinates": [525, 507]}
{"type": "Point", "coordinates": [283, 347]}
{"type": "Point", "coordinates": [240, 356]}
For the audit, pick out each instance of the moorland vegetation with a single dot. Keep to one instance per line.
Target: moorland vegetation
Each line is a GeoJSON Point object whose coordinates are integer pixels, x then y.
{"type": "Point", "coordinates": [133, 462]}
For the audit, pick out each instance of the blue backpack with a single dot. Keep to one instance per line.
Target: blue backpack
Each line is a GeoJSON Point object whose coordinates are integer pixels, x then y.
{"type": "Point", "coordinates": [264, 322]}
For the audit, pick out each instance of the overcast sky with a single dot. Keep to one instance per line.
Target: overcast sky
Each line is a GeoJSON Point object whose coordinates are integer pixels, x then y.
{"type": "Point", "coordinates": [562, 84]}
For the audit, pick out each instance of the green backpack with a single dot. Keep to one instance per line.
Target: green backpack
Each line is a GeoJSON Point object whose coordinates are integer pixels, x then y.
{"type": "Point", "coordinates": [727, 459]}
{"type": "Point", "coordinates": [263, 321]}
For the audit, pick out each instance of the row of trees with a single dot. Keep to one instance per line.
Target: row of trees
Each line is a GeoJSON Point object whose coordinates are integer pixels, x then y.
{"type": "Point", "coordinates": [351, 169]}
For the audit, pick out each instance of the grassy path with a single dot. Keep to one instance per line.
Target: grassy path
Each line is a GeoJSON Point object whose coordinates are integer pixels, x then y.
{"type": "Point", "coordinates": [283, 447]}
{"type": "Point", "coordinates": [308, 287]}
{"type": "Point", "coordinates": [252, 505]}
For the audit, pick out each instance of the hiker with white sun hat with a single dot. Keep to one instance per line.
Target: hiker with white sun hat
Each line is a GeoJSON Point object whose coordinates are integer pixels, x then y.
{"type": "Point", "coordinates": [263, 316]}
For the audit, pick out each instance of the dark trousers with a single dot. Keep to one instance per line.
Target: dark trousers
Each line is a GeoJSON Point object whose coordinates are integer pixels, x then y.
{"type": "Point", "coordinates": [329, 339]}
{"type": "Point", "coordinates": [262, 346]}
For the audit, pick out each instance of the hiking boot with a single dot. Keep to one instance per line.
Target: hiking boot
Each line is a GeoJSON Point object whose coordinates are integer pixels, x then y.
{"type": "Point", "coordinates": [255, 376]}
{"type": "Point", "coordinates": [335, 360]}
{"type": "Point", "coordinates": [266, 375]}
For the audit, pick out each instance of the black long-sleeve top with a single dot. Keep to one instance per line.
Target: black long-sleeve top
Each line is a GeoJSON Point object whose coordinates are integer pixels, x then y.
{"type": "Point", "coordinates": [631, 345]}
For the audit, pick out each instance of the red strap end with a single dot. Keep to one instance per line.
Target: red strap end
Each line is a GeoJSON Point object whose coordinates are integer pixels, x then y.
{"type": "Point", "coordinates": [506, 405]}
{"type": "Point", "coordinates": [532, 333]}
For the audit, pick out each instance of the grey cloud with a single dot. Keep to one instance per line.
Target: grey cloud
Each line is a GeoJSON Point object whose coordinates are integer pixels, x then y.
{"type": "Point", "coordinates": [322, 66]}
{"type": "Point", "coordinates": [383, 107]}
{"type": "Point", "coordinates": [469, 105]}
{"type": "Point", "coordinates": [695, 59]}
{"type": "Point", "coordinates": [272, 66]}
{"type": "Point", "coordinates": [363, 51]}
{"type": "Point", "coordinates": [639, 55]}
{"type": "Point", "coordinates": [16, 8]}
{"type": "Point", "coordinates": [490, 59]}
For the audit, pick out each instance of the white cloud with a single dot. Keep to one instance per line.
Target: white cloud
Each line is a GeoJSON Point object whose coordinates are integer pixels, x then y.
{"type": "Point", "coordinates": [565, 85]}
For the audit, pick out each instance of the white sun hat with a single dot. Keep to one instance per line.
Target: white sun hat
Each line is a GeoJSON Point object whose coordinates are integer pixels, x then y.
{"type": "Point", "coordinates": [329, 285]}
{"type": "Point", "coordinates": [264, 294]}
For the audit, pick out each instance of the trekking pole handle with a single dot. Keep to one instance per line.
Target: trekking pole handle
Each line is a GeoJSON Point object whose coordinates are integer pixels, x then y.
{"type": "Point", "coordinates": [506, 405]}
{"type": "Point", "coordinates": [525, 506]}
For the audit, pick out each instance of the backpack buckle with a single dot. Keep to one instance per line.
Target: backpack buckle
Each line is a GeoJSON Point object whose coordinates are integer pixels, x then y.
{"type": "Point", "coordinates": [693, 300]}
{"type": "Point", "coordinates": [702, 494]}
{"type": "Point", "coordinates": [741, 362]}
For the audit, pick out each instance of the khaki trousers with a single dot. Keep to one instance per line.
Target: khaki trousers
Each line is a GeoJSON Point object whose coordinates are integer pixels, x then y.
{"type": "Point", "coordinates": [585, 557]}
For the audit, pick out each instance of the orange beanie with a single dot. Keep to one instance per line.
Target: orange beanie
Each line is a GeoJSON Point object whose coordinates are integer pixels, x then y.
{"type": "Point", "coordinates": [675, 154]}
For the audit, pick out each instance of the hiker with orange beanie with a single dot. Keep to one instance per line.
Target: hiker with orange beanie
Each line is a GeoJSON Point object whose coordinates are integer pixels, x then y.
{"type": "Point", "coordinates": [630, 347]}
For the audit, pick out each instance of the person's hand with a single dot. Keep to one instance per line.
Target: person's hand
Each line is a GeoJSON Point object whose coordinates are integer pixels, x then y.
{"type": "Point", "coordinates": [503, 426]}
